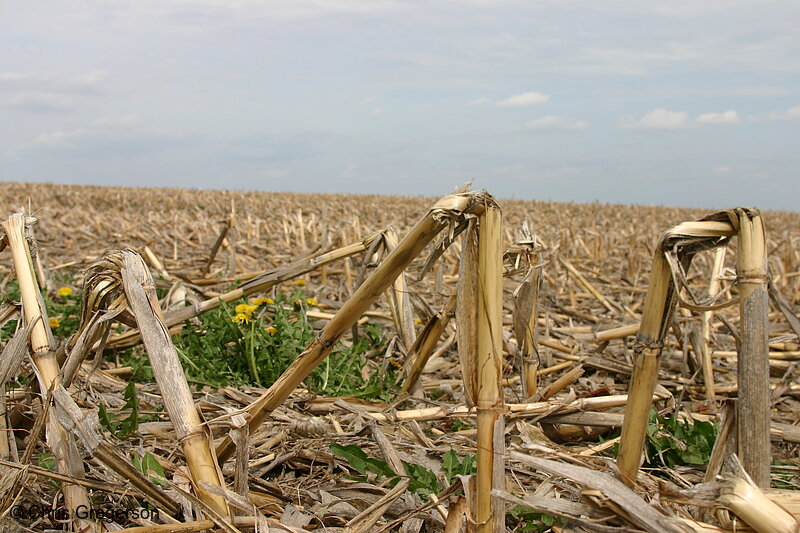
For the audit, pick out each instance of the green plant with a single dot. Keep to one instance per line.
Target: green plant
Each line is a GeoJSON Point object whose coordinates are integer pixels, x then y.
{"type": "Point", "coordinates": [422, 481]}
{"type": "Point", "coordinates": [150, 467]}
{"type": "Point", "coordinates": [119, 427]}
{"type": "Point", "coordinates": [529, 521]}
{"type": "Point", "coordinates": [63, 307]}
{"type": "Point", "coordinates": [453, 467]}
{"type": "Point", "coordinates": [253, 343]}
{"type": "Point", "coordinates": [672, 441]}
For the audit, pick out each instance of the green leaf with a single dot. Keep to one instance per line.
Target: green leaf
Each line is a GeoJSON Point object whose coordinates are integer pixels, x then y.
{"type": "Point", "coordinates": [421, 480]}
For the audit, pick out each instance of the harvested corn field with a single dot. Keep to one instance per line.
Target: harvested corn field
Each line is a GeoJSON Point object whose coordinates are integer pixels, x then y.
{"type": "Point", "coordinates": [180, 360]}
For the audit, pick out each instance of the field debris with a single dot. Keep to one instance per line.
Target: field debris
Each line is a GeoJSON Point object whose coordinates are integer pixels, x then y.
{"type": "Point", "coordinates": [178, 360]}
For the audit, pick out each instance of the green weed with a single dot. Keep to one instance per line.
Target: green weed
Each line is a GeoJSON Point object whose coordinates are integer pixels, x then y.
{"type": "Point", "coordinates": [119, 427]}
{"type": "Point", "coordinates": [252, 344]}
{"type": "Point", "coordinates": [527, 520]}
{"type": "Point", "coordinates": [672, 442]}
{"type": "Point", "coordinates": [150, 467]}
{"type": "Point", "coordinates": [422, 480]}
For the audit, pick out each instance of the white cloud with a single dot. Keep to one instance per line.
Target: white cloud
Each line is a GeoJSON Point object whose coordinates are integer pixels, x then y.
{"type": "Point", "coordinates": [123, 128]}
{"type": "Point", "coordinates": [86, 82]}
{"type": "Point", "coordinates": [792, 113]}
{"type": "Point", "coordinates": [273, 173]}
{"type": "Point", "coordinates": [657, 119]}
{"type": "Point", "coordinates": [40, 101]}
{"type": "Point", "coordinates": [726, 117]}
{"type": "Point", "coordinates": [376, 111]}
{"type": "Point", "coordinates": [351, 171]}
{"type": "Point", "coordinates": [524, 99]}
{"type": "Point", "coordinates": [556, 123]}
{"type": "Point", "coordinates": [722, 169]}
{"type": "Point", "coordinates": [480, 101]}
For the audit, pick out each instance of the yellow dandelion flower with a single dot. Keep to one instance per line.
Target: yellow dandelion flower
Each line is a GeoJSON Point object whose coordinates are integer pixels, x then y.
{"type": "Point", "coordinates": [55, 323]}
{"type": "Point", "coordinates": [417, 321]}
{"type": "Point", "coordinates": [301, 282]}
{"type": "Point", "coordinates": [312, 302]}
{"type": "Point", "coordinates": [261, 301]}
{"type": "Point", "coordinates": [395, 364]}
{"type": "Point", "coordinates": [245, 309]}
{"type": "Point", "coordinates": [65, 291]}
{"type": "Point", "coordinates": [241, 318]}
{"type": "Point", "coordinates": [271, 330]}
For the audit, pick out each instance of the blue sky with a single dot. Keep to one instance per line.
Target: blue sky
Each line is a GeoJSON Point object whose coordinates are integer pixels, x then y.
{"type": "Point", "coordinates": [675, 103]}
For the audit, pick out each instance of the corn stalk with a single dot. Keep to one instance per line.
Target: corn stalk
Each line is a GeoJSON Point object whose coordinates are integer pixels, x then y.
{"type": "Point", "coordinates": [671, 259]}
{"type": "Point", "coordinates": [489, 515]}
{"type": "Point", "coordinates": [61, 443]}
{"type": "Point", "coordinates": [193, 435]}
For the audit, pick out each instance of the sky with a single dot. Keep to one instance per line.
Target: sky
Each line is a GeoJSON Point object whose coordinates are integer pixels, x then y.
{"type": "Point", "coordinates": [689, 103]}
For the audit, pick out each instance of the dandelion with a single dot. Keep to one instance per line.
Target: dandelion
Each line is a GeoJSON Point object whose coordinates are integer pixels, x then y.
{"type": "Point", "coordinates": [395, 364]}
{"type": "Point", "coordinates": [55, 323]}
{"type": "Point", "coordinates": [245, 309]}
{"type": "Point", "coordinates": [65, 291]}
{"type": "Point", "coordinates": [312, 302]}
{"type": "Point", "coordinates": [271, 330]}
{"type": "Point", "coordinates": [417, 321]}
{"type": "Point", "coordinates": [301, 282]}
{"type": "Point", "coordinates": [261, 301]}
{"type": "Point", "coordinates": [241, 318]}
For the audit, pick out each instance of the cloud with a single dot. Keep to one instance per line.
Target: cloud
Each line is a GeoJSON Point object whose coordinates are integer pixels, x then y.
{"type": "Point", "coordinates": [722, 169]}
{"type": "Point", "coordinates": [792, 114]}
{"type": "Point", "coordinates": [75, 83]}
{"type": "Point", "coordinates": [726, 117]}
{"type": "Point", "coordinates": [556, 123]}
{"type": "Point", "coordinates": [657, 119]}
{"type": "Point", "coordinates": [40, 101]}
{"type": "Point", "coordinates": [376, 111]}
{"type": "Point", "coordinates": [122, 129]}
{"type": "Point", "coordinates": [524, 99]}
{"type": "Point", "coordinates": [480, 101]}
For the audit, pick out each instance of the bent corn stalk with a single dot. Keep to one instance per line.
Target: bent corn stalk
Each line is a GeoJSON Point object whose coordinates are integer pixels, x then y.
{"type": "Point", "coordinates": [672, 258]}
{"type": "Point", "coordinates": [444, 213]}
{"type": "Point", "coordinates": [193, 436]}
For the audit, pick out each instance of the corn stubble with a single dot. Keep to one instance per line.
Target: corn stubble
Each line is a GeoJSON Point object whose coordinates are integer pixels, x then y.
{"type": "Point", "coordinates": [561, 293]}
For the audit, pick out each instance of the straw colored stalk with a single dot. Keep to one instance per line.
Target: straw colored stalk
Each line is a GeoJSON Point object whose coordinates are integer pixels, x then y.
{"type": "Point", "coordinates": [192, 434]}
{"type": "Point", "coordinates": [751, 505]}
{"type": "Point", "coordinates": [706, 318]}
{"type": "Point", "coordinates": [60, 442]}
{"type": "Point", "coordinates": [658, 306]}
{"type": "Point", "coordinates": [103, 299]}
{"type": "Point", "coordinates": [489, 515]}
{"type": "Point", "coordinates": [753, 405]}
{"type": "Point", "coordinates": [526, 311]}
{"type": "Point", "coordinates": [260, 283]}
{"type": "Point", "coordinates": [443, 213]}
{"type": "Point", "coordinates": [684, 240]}
{"type": "Point", "coordinates": [11, 357]}
{"type": "Point", "coordinates": [399, 302]}
{"type": "Point", "coordinates": [426, 343]}
{"type": "Point", "coordinates": [467, 311]}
